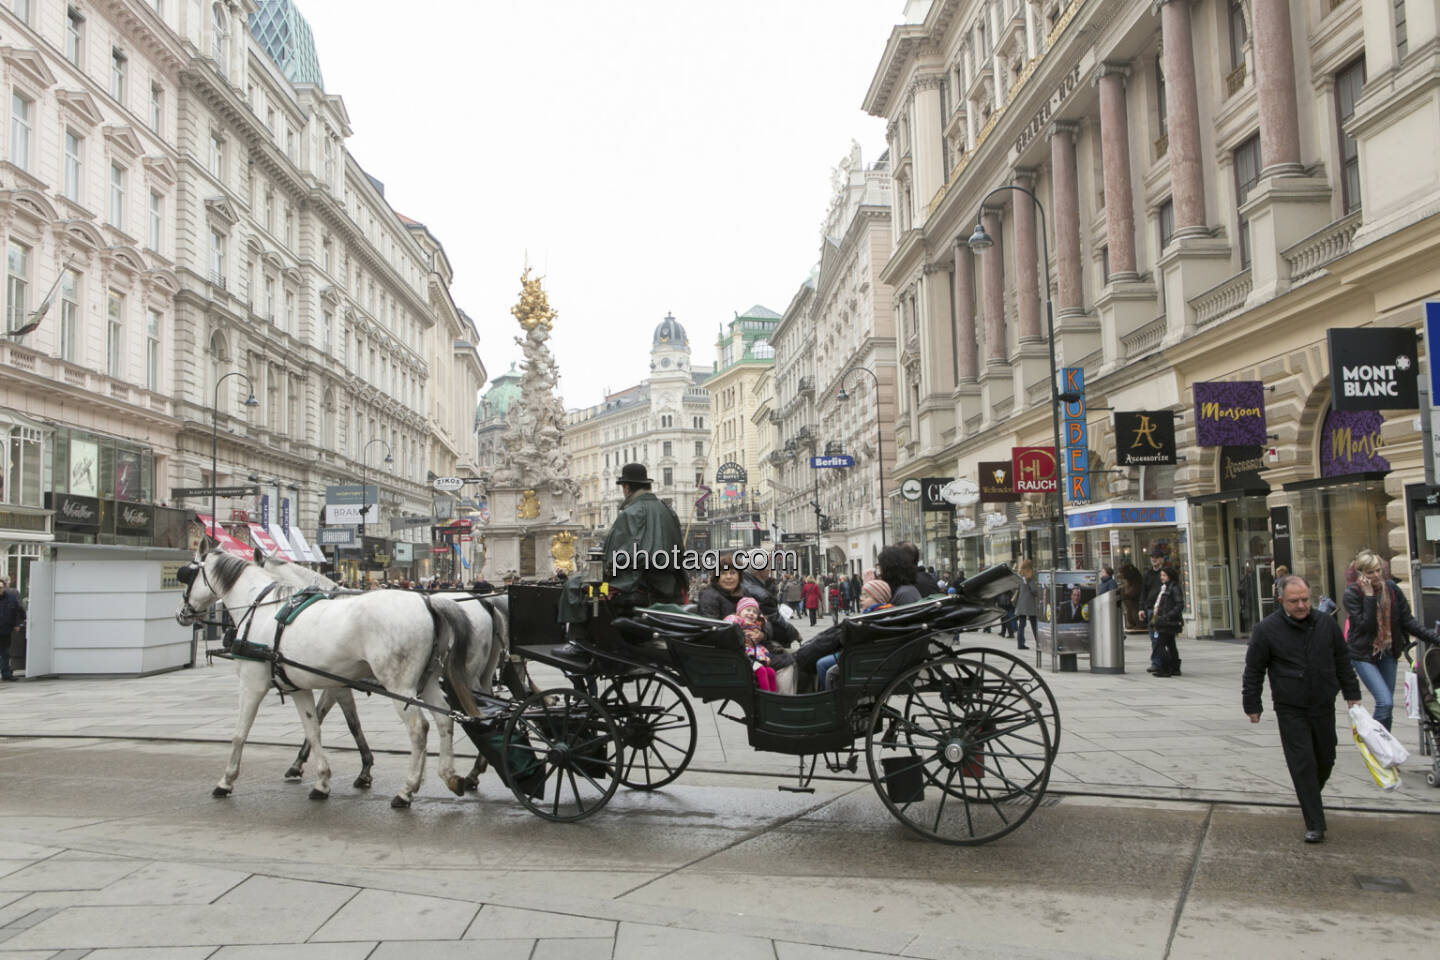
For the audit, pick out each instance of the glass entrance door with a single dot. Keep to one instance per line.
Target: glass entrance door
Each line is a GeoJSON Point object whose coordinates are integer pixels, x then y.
{"type": "Point", "coordinates": [1249, 549]}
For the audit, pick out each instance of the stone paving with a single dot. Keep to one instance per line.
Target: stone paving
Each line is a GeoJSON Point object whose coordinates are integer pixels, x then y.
{"type": "Point", "coordinates": [1132, 734]}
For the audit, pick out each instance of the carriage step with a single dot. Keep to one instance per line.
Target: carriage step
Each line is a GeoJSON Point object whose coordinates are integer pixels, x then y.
{"type": "Point", "coordinates": [789, 789]}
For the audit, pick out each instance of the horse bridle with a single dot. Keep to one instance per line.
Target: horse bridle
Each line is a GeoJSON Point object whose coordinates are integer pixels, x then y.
{"type": "Point", "coordinates": [188, 615]}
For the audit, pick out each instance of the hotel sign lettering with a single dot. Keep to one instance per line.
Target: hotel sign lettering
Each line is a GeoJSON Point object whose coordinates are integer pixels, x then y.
{"type": "Point", "coordinates": [1048, 109]}
{"type": "Point", "coordinates": [1229, 413]}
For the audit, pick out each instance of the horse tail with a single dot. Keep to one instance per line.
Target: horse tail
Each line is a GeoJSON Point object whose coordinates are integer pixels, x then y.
{"type": "Point", "coordinates": [499, 634]}
{"type": "Point", "coordinates": [451, 620]}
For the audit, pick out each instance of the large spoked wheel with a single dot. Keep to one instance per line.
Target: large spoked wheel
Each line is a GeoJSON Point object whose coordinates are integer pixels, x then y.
{"type": "Point", "coordinates": [1025, 675]}
{"type": "Point", "coordinates": [561, 754]}
{"type": "Point", "coordinates": [958, 752]}
{"type": "Point", "coordinates": [657, 729]}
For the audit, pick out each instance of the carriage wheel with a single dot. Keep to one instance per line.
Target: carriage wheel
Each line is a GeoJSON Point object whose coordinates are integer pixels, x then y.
{"type": "Point", "coordinates": [560, 754]}
{"type": "Point", "coordinates": [657, 729]}
{"type": "Point", "coordinates": [1021, 672]}
{"type": "Point", "coordinates": [958, 751]}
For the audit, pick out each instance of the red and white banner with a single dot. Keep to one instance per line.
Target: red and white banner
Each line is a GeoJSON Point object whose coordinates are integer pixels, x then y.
{"type": "Point", "coordinates": [267, 543]}
{"type": "Point", "coordinates": [221, 536]}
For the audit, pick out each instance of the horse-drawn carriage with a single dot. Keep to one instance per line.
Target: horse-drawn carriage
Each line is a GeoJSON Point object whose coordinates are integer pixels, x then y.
{"type": "Point", "coordinates": [958, 741]}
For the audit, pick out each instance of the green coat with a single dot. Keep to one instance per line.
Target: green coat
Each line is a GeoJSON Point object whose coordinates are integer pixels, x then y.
{"type": "Point", "coordinates": [645, 527]}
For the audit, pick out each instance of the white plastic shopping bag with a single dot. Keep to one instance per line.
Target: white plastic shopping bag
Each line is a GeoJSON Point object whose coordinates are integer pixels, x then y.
{"type": "Point", "coordinates": [1386, 778]}
{"type": "Point", "coordinates": [1383, 746]}
{"type": "Point", "coordinates": [1412, 695]}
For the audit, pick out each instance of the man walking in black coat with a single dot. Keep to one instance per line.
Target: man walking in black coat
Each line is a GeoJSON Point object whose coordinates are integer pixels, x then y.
{"type": "Point", "coordinates": [1307, 661]}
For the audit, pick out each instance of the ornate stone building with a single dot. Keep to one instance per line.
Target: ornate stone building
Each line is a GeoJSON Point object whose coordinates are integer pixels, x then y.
{"type": "Point", "coordinates": [740, 505]}
{"type": "Point", "coordinates": [662, 423]}
{"type": "Point", "coordinates": [1222, 183]}
{"type": "Point", "coordinates": [791, 418]}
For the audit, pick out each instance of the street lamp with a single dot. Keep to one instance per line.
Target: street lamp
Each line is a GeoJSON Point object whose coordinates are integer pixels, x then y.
{"type": "Point", "coordinates": [980, 241]}
{"type": "Point", "coordinates": [842, 396]}
{"type": "Point", "coordinates": [364, 476]}
{"type": "Point", "coordinates": [250, 401]}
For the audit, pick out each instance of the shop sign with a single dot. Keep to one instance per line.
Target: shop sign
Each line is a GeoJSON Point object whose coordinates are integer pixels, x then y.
{"type": "Point", "coordinates": [731, 472]}
{"type": "Point", "coordinates": [1374, 368]}
{"type": "Point", "coordinates": [285, 515]}
{"type": "Point", "coordinates": [1052, 105]}
{"type": "Point", "coordinates": [792, 537]}
{"type": "Point", "coordinates": [352, 493]}
{"type": "Point", "coordinates": [930, 499]}
{"type": "Point", "coordinates": [1122, 516]}
{"type": "Point", "coordinates": [81, 514]}
{"type": "Point", "coordinates": [1034, 469]}
{"type": "Point", "coordinates": [1240, 468]}
{"type": "Point", "coordinates": [960, 492]}
{"type": "Point", "coordinates": [404, 552]}
{"type": "Point", "coordinates": [964, 524]}
{"type": "Point", "coordinates": [1229, 413]}
{"type": "Point", "coordinates": [997, 481]}
{"type": "Point", "coordinates": [837, 460]}
{"type": "Point", "coordinates": [910, 489]}
{"type": "Point", "coordinates": [1077, 436]}
{"type": "Point", "coordinates": [134, 519]}
{"type": "Point", "coordinates": [170, 573]}
{"type": "Point", "coordinates": [31, 522]}
{"type": "Point", "coordinates": [995, 519]}
{"type": "Point", "coordinates": [1280, 536]}
{"type": "Point", "coordinates": [1144, 437]}
{"type": "Point", "coordinates": [337, 536]}
{"type": "Point", "coordinates": [84, 467]}
{"type": "Point", "coordinates": [265, 510]}
{"type": "Point", "coordinates": [1350, 442]}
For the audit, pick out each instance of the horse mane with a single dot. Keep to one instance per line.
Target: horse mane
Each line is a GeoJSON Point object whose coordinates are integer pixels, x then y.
{"type": "Point", "coordinates": [229, 568]}
{"type": "Point", "coordinates": [280, 568]}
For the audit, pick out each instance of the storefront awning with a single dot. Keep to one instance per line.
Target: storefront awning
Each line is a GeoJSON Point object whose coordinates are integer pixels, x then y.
{"type": "Point", "coordinates": [1123, 514]}
{"type": "Point", "coordinates": [222, 536]}
{"type": "Point", "coordinates": [267, 542]}
{"type": "Point", "coordinates": [283, 542]}
{"type": "Point", "coordinates": [302, 546]}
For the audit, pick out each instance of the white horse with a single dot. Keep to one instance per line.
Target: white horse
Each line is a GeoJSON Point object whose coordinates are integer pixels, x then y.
{"type": "Point", "coordinates": [489, 644]}
{"type": "Point", "coordinates": [390, 635]}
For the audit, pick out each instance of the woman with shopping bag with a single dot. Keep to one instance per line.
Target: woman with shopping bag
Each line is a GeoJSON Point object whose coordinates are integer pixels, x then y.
{"type": "Point", "coordinates": [1379, 625]}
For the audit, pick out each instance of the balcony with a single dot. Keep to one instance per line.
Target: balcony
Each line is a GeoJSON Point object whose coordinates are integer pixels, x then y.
{"type": "Point", "coordinates": [1143, 338]}
{"type": "Point", "coordinates": [1222, 300]}
{"type": "Point", "coordinates": [1331, 242]}
{"type": "Point", "coordinates": [773, 416]}
{"type": "Point", "coordinates": [807, 386]}
{"type": "Point", "coordinates": [1235, 81]}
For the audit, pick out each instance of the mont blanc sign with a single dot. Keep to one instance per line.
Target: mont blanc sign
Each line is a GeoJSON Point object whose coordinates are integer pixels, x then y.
{"type": "Point", "coordinates": [1374, 369]}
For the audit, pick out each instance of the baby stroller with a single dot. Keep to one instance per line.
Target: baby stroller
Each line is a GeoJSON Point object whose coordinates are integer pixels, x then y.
{"type": "Point", "coordinates": [1427, 671]}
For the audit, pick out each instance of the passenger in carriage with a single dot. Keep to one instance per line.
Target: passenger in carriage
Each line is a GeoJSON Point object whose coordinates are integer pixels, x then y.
{"type": "Point", "coordinates": [722, 598]}
{"type": "Point", "coordinates": [896, 566]}
{"type": "Point", "coordinates": [874, 595]}
{"type": "Point", "coordinates": [753, 630]}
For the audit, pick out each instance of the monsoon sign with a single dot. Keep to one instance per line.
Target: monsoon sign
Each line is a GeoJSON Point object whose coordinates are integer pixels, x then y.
{"type": "Point", "coordinates": [1229, 413]}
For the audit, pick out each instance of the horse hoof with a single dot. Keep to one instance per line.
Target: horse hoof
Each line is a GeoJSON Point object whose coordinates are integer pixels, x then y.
{"type": "Point", "coordinates": [318, 794]}
{"type": "Point", "coordinates": [363, 782]}
{"type": "Point", "coordinates": [456, 785]}
{"type": "Point", "coordinates": [399, 803]}
{"type": "Point", "coordinates": [293, 774]}
{"type": "Point", "coordinates": [221, 792]}
{"type": "Point", "coordinates": [471, 784]}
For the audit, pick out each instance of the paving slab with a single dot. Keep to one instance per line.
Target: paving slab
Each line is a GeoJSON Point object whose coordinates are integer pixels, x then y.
{"type": "Point", "coordinates": [169, 925]}
{"type": "Point", "coordinates": [73, 874]}
{"type": "Point", "coordinates": [506, 923]}
{"type": "Point", "coordinates": [169, 883]}
{"type": "Point", "coordinates": [301, 951]}
{"type": "Point", "coordinates": [150, 953]}
{"type": "Point", "coordinates": [635, 941]}
{"type": "Point", "coordinates": [455, 950]}
{"type": "Point", "coordinates": [601, 949]}
{"type": "Point", "coordinates": [384, 915]}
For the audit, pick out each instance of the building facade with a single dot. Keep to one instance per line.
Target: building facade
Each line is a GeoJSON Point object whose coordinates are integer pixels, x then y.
{"type": "Point", "coordinates": [744, 357]}
{"type": "Point", "coordinates": [1222, 184]}
{"type": "Point", "coordinates": [662, 423]}
{"type": "Point", "coordinates": [793, 437]}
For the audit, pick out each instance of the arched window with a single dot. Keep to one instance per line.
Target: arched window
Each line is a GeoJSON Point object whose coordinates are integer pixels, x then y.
{"type": "Point", "coordinates": [221, 38]}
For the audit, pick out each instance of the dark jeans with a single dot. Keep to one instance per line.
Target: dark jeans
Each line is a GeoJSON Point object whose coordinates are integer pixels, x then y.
{"type": "Point", "coordinates": [1169, 656]}
{"type": "Point", "coordinates": [1020, 630]}
{"type": "Point", "coordinates": [813, 611]}
{"type": "Point", "coordinates": [1308, 737]}
{"type": "Point", "coordinates": [5, 659]}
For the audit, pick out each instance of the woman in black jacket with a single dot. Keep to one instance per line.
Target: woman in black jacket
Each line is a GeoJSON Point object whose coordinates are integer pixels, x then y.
{"type": "Point", "coordinates": [1379, 622]}
{"type": "Point", "coordinates": [1167, 619]}
{"type": "Point", "coordinates": [727, 588]}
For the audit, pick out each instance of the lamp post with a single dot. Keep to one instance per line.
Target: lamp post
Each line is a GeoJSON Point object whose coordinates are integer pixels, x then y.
{"type": "Point", "coordinates": [842, 396]}
{"type": "Point", "coordinates": [250, 401]}
{"type": "Point", "coordinates": [364, 477]}
{"type": "Point", "coordinates": [980, 241]}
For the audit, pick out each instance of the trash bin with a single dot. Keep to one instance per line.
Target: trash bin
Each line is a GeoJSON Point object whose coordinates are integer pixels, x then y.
{"type": "Point", "coordinates": [1107, 634]}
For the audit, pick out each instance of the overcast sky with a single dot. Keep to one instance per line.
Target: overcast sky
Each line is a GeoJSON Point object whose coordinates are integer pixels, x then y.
{"type": "Point", "coordinates": [646, 155]}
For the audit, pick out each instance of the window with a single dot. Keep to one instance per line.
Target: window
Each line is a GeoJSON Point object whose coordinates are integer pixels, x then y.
{"type": "Point", "coordinates": [325, 254]}
{"type": "Point", "coordinates": [699, 448]}
{"type": "Point", "coordinates": [1348, 83]}
{"type": "Point", "coordinates": [117, 195]}
{"type": "Point", "coordinates": [669, 477]}
{"type": "Point", "coordinates": [329, 161]}
{"type": "Point", "coordinates": [20, 110]}
{"type": "Point", "coordinates": [1247, 174]}
{"type": "Point", "coordinates": [1167, 222]}
{"type": "Point", "coordinates": [221, 38]}
{"type": "Point", "coordinates": [217, 156]}
{"type": "Point", "coordinates": [327, 325]}
{"type": "Point", "coordinates": [114, 331]}
{"type": "Point", "coordinates": [152, 351]}
{"type": "Point", "coordinates": [117, 74]}
{"type": "Point", "coordinates": [1402, 36]}
{"type": "Point", "coordinates": [157, 106]}
{"type": "Point", "coordinates": [269, 298]}
{"type": "Point", "coordinates": [1164, 123]}
{"type": "Point", "coordinates": [1105, 264]}
{"type": "Point", "coordinates": [217, 257]}
{"type": "Point", "coordinates": [17, 285]}
{"type": "Point", "coordinates": [157, 214]}
{"type": "Point", "coordinates": [69, 315]}
{"type": "Point", "coordinates": [665, 449]}
{"type": "Point", "coordinates": [289, 312]}
{"type": "Point", "coordinates": [269, 212]}
{"type": "Point", "coordinates": [74, 36]}
{"type": "Point", "coordinates": [72, 166]}
{"type": "Point", "coordinates": [1237, 35]}
{"type": "Point", "coordinates": [699, 479]}
{"type": "Point", "coordinates": [289, 227]}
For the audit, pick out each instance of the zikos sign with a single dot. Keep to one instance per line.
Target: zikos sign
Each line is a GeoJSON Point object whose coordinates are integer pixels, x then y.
{"type": "Point", "coordinates": [1034, 469]}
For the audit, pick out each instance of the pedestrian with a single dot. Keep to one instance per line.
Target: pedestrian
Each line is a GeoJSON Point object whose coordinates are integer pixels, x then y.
{"type": "Point", "coordinates": [810, 598]}
{"type": "Point", "coordinates": [856, 585]}
{"type": "Point", "coordinates": [896, 566]}
{"type": "Point", "coordinates": [791, 595]}
{"type": "Point", "coordinates": [1168, 619]}
{"type": "Point", "coordinates": [1107, 580]}
{"type": "Point", "coordinates": [836, 599]}
{"type": "Point", "coordinates": [844, 594]}
{"type": "Point", "coordinates": [1308, 662]}
{"type": "Point", "coordinates": [1379, 622]}
{"type": "Point", "coordinates": [1149, 590]}
{"type": "Point", "coordinates": [12, 614]}
{"type": "Point", "coordinates": [1027, 603]}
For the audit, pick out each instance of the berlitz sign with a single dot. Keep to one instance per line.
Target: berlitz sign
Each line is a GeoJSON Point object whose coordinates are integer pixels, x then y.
{"type": "Point", "coordinates": [1374, 369]}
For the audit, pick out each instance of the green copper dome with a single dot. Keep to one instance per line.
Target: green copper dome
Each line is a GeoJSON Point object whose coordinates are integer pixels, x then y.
{"type": "Point", "coordinates": [503, 389]}
{"type": "Point", "coordinates": [285, 35]}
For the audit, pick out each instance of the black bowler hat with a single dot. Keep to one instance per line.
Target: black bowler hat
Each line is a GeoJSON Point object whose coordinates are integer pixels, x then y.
{"type": "Point", "coordinates": [634, 474]}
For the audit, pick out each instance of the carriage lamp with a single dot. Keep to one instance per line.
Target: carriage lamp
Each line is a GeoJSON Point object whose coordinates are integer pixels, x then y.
{"type": "Point", "coordinates": [595, 566]}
